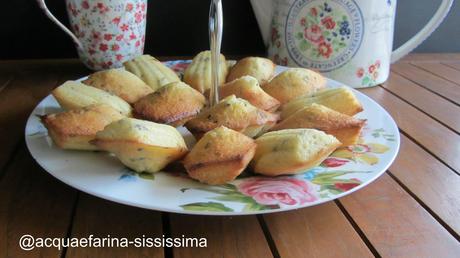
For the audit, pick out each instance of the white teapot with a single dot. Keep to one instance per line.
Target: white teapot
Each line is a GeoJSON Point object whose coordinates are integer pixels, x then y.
{"type": "Point", "coordinates": [348, 40]}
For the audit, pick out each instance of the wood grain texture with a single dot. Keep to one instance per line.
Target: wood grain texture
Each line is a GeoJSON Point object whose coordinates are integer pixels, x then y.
{"type": "Point", "coordinates": [396, 225]}
{"type": "Point", "coordinates": [101, 218]}
{"type": "Point", "coordinates": [29, 85]}
{"type": "Point", "coordinates": [239, 236]}
{"type": "Point", "coordinates": [430, 57]}
{"type": "Point", "coordinates": [425, 100]}
{"type": "Point", "coordinates": [433, 183]}
{"type": "Point", "coordinates": [454, 65]}
{"type": "Point", "coordinates": [32, 202]}
{"type": "Point", "coordinates": [440, 70]}
{"type": "Point", "coordinates": [428, 80]}
{"type": "Point", "coordinates": [440, 140]}
{"type": "Point", "coordinates": [311, 232]}
{"type": "Point", "coordinates": [16, 102]}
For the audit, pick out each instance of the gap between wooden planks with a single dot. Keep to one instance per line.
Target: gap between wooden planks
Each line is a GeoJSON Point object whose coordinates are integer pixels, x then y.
{"type": "Point", "coordinates": [424, 100]}
{"type": "Point", "coordinates": [448, 90]}
{"type": "Point", "coordinates": [437, 139]}
{"type": "Point", "coordinates": [441, 70]}
{"type": "Point", "coordinates": [32, 202]}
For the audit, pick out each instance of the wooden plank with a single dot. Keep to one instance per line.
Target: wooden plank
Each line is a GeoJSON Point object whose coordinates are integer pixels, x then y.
{"type": "Point", "coordinates": [101, 218]}
{"type": "Point", "coordinates": [239, 236]}
{"type": "Point", "coordinates": [430, 57]}
{"type": "Point", "coordinates": [454, 65]}
{"type": "Point", "coordinates": [396, 225]}
{"type": "Point", "coordinates": [433, 183]}
{"type": "Point", "coordinates": [22, 94]}
{"type": "Point", "coordinates": [438, 139]}
{"type": "Point", "coordinates": [311, 232]}
{"type": "Point", "coordinates": [16, 102]}
{"type": "Point", "coordinates": [425, 100]}
{"type": "Point", "coordinates": [428, 80]}
{"type": "Point", "coordinates": [34, 203]}
{"type": "Point", "coordinates": [441, 70]}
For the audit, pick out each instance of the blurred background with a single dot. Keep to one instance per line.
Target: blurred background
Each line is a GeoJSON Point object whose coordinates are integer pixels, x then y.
{"type": "Point", "coordinates": [179, 27]}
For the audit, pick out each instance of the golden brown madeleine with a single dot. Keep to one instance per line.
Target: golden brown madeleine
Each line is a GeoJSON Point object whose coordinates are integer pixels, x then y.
{"type": "Point", "coordinates": [173, 104]}
{"type": "Point", "coordinates": [153, 72]}
{"type": "Point", "coordinates": [74, 95]}
{"type": "Point", "coordinates": [74, 129]}
{"type": "Point", "coordinates": [121, 83]}
{"type": "Point", "coordinates": [248, 88]}
{"type": "Point", "coordinates": [345, 128]}
{"type": "Point", "coordinates": [341, 99]}
{"type": "Point", "coordinates": [292, 151]}
{"type": "Point", "coordinates": [294, 83]}
{"type": "Point", "coordinates": [220, 156]}
{"type": "Point", "coordinates": [234, 113]}
{"type": "Point", "coordinates": [142, 145]}
{"type": "Point", "coordinates": [260, 68]}
{"type": "Point", "coordinates": [198, 73]}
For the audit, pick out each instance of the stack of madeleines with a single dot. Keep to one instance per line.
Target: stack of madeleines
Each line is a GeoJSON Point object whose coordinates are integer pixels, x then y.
{"type": "Point", "coordinates": [277, 125]}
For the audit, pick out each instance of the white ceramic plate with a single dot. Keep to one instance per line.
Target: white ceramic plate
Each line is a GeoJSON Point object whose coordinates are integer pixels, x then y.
{"type": "Point", "coordinates": [100, 174]}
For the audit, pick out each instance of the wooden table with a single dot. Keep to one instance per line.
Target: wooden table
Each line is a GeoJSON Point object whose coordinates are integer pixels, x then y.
{"type": "Point", "coordinates": [411, 211]}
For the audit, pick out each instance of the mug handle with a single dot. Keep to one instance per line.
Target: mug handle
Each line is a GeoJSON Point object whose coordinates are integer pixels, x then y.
{"type": "Point", "coordinates": [42, 5]}
{"type": "Point", "coordinates": [424, 33]}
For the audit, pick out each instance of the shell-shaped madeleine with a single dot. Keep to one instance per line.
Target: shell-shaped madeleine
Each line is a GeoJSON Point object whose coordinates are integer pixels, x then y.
{"type": "Point", "coordinates": [345, 128]}
{"type": "Point", "coordinates": [74, 129]}
{"type": "Point", "coordinates": [260, 68]}
{"type": "Point", "coordinates": [198, 73]}
{"type": "Point", "coordinates": [292, 151]}
{"type": "Point", "coordinates": [151, 71]}
{"type": "Point", "coordinates": [341, 99]}
{"type": "Point", "coordinates": [143, 146]}
{"type": "Point", "coordinates": [219, 156]}
{"type": "Point", "coordinates": [173, 104]}
{"type": "Point", "coordinates": [248, 88]}
{"type": "Point", "coordinates": [294, 83]}
{"type": "Point", "coordinates": [234, 113]}
{"type": "Point", "coordinates": [74, 95]}
{"type": "Point", "coordinates": [121, 83]}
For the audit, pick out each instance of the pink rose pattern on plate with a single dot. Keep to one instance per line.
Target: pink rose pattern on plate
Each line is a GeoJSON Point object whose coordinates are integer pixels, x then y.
{"type": "Point", "coordinates": [110, 31]}
{"type": "Point", "coordinates": [278, 191]}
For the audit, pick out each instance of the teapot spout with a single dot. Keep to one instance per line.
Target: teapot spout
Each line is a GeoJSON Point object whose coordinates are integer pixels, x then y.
{"type": "Point", "coordinates": [263, 9]}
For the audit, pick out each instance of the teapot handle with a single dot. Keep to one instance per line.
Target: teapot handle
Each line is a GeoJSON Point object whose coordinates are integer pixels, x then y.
{"type": "Point", "coordinates": [42, 5]}
{"type": "Point", "coordinates": [424, 33]}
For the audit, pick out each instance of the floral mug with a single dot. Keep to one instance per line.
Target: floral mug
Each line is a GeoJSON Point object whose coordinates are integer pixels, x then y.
{"type": "Point", "coordinates": [105, 32]}
{"type": "Point", "coordinates": [348, 40]}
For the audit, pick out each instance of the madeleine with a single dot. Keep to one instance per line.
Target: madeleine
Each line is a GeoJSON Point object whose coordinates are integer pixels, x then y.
{"type": "Point", "coordinates": [142, 145]}
{"type": "Point", "coordinates": [341, 99]}
{"type": "Point", "coordinates": [260, 68]}
{"type": "Point", "coordinates": [234, 113]}
{"type": "Point", "coordinates": [294, 83]}
{"type": "Point", "coordinates": [220, 156]}
{"type": "Point", "coordinates": [173, 104]}
{"type": "Point", "coordinates": [198, 73]}
{"type": "Point", "coordinates": [248, 88]}
{"type": "Point", "coordinates": [121, 83]}
{"type": "Point", "coordinates": [74, 129]}
{"type": "Point", "coordinates": [74, 95]}
{"type": "Point", "coordinates": [345, 128]}
{"type": "Point", "coordinates": [153, 72]}
{"type": "Point", "coordinates": [292, 151]}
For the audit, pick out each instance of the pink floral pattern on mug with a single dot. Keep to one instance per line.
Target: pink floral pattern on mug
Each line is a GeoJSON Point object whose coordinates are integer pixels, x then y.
{"type": "Point", "coordinates": [110, 31]}
{"type": "Point", "coordinates": [370, 74]}
{"type": "Point", "coordinates": [325, 32]}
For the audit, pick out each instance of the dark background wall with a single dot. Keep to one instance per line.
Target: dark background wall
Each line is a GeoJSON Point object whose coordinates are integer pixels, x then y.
{"type": "Point", "coordinates": [179, 27]}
